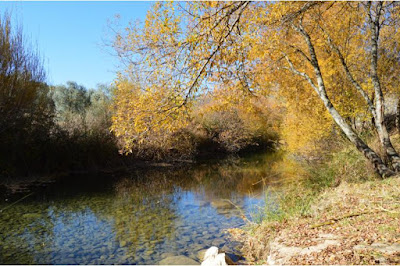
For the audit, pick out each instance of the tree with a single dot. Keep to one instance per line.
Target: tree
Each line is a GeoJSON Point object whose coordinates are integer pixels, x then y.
{"type": "Point", "coordinates": [80, 109]}
{"type": "Point", "coordinates": [356, 33]}
{"type": "Point", "coordinates": [71, 103]}
{"type": "Point", "coordinates": [236, 120]}
{"type": "Point", "coordinates": [23, 93]}
{"type": "Point", "coordinates": [294, 48]}
{"type": "Point", "coordinates": [167, 65]}
{"type": "Point", "coordinates": [26, 112]}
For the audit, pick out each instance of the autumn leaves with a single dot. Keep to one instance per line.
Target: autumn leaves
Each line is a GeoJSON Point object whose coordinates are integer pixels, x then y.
{"type": "Point", "coordinates": [324, 71]}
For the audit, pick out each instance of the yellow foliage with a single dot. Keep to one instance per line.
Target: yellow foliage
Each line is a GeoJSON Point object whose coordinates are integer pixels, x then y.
{"type": "Point", "coordinates": [183, 51]}
{"type": "Point", "coordinates": [303, 127]}
{"type": "Point", "coordinates": [237, 120]}
{"type": "Point", "coordinates": [307, 121]}
{"type": "Point", "coordinates": [145, 117]}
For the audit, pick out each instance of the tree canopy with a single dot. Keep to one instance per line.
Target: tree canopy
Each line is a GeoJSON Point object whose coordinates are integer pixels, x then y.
{"type": "Point", "coordinates": [328, 62]}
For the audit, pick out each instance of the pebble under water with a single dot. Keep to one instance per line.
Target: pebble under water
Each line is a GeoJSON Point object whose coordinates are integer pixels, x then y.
{"type": "Point", "coordinates": [140, 218]}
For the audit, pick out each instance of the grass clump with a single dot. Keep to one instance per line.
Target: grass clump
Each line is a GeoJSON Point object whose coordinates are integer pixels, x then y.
{"type": "Point", "coordinates": [294, 196]}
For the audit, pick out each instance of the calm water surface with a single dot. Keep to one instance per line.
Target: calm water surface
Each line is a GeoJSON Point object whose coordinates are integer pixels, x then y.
{"type": "Point", "coordinates": [140, 218]}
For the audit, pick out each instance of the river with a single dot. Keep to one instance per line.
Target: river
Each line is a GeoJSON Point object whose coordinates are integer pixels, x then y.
{"type": "Point", "coordinates": [137, 218]}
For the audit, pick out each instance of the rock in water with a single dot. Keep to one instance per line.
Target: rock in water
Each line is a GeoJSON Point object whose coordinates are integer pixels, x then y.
{"type": "Point", "coordinates": [221, 204]}
{"type": "Point", "coordinates": [212, 258]}
{"type": "Point", "coordinates": [178, 260]}
{"type": "Point", "coordinates": [166, 255]}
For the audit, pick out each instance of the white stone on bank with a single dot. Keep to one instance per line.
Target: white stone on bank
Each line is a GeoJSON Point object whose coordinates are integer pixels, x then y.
{"type": "Point", "coordinates": [212, 258]}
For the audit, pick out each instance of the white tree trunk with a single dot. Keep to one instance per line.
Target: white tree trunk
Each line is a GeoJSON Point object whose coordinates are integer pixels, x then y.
{"type": "Point", "coordinates": [371, 155]}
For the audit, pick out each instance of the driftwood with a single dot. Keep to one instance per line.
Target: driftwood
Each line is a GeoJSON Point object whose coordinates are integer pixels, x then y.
{"type": "Point", "coordinates": [12, 204]}
{"type": "Point", "coordinates": [334, 220]}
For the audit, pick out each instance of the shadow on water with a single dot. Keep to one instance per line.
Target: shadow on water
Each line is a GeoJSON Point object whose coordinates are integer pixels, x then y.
{"type": "Point", "coordinates": [139, 218]}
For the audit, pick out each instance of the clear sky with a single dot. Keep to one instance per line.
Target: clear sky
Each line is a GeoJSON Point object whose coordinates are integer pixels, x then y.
{"type": "Point", "coordinates": [70, 36]}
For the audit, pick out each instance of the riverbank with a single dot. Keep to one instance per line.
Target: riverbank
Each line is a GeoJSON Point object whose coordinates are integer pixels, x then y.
{"type": "Point", "coordinates": [21, 185]}
{"type": "Point", "coordinates": [350, 224]}
{"type": "Point", "coordinates": [338, 214]}
{"type": "Point", "coordinates": [33, 183]}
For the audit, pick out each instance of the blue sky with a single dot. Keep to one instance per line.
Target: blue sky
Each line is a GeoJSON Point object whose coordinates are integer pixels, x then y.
{"type": "Point", "coordinates": [70, 36]}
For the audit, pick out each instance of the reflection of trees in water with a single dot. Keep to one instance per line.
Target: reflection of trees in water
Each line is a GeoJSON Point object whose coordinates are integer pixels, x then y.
{"type": "Point", "coordinates": [236, 177]}
{"type": "Point", "coordinates": [143, 209]}
{"type": "Point", "coordinates": [141, 219]}
{"type": "Point", "coordinates": [232, 179]}
{"type": "Point", "coordinates": [31, 236]}
{"type": "Point", "coordinates": [142, 215]}
{"type": "Point", "coordinates": [290, 169]}
{"type": "Point", "coordinates": [144, 212]}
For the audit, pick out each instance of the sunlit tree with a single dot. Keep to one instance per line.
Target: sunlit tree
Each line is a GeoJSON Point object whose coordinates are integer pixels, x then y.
{"type": "Point", "coordinates": [337, 69]}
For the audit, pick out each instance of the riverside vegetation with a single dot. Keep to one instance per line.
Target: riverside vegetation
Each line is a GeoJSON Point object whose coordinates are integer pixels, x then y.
{"type": "Point", "coordinates": [66, 128]}
{"type": "Point", "coordinates": [204, 78]}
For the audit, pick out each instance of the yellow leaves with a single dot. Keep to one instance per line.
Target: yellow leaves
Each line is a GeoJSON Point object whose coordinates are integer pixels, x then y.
{"type": "Point", "coordinates": [305, 126]}
{"type": "Point", "coordinates": [211, 3]}
{"type": "Point", "coordinates": [140, 115]}
{"type": "Point", "coordinates": [175, 56]}
{"type": "Point", "coordinates": [307, 121]}
{"type": "Point", "coordinates": [257, 114]}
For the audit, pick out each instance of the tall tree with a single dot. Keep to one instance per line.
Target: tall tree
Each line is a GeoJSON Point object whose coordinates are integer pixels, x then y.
{"type": "Point", "coordinates": [23, 93]}
{"type": "Point", "coordinates": [318, 38]}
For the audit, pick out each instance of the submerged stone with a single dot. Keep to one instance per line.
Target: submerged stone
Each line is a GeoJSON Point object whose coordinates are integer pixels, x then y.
{"type": "Point", "coordinates": [196, 247]}
{"type": "Point", "coordinates": [178, 260]}
{"type": "Point", "coordinates": [221, 204]}
{"type": "Point", "coordinates": [123, 243]}
{"type": "Point", "coordinates": [167, 254]}
{"type": "Point", "coordinates": [31, 215]}
{"type": "Point", "coordinates": [201, 253]}
{"type": "Point", "coordinates": [232, 258]}
{"type": "Point", "coordinates": [218, 242]}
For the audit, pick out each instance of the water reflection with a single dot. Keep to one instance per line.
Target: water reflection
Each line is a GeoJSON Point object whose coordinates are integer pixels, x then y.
{"type": "Point", "coordinates": [137, 219]}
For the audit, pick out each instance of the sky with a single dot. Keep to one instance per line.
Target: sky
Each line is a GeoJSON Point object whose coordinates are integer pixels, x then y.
{"type": "Point", "coordinates": [70, 36]}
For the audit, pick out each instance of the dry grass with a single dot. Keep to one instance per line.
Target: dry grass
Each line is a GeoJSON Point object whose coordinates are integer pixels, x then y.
{"type": "Point", "coordinates": [363, 218]}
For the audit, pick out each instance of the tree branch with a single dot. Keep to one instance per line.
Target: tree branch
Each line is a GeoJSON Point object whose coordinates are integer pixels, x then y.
{"type": "Point", "coordinates": [220, 43]}
{"type": "Point", "coordinates": [358, 87]}
{"type": "Point", "coordinates": [299, 73]}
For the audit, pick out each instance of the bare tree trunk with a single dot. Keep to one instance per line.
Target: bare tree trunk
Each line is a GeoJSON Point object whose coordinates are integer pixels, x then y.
{"type": "Point", "coordinates": [384, 137]}
{"type": "Point", "coordinates": [376, 105]}
{"type": "Point", "coordinates": [376, 161]}
{"type": "Point", "coordinates": [398, 116]}
{"type": "Point", "coordinates": [354, 123]}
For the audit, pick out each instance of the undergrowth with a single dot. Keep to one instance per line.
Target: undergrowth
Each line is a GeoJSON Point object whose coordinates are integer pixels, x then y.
{"type": "Point", "coordinates": [295, 195]}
